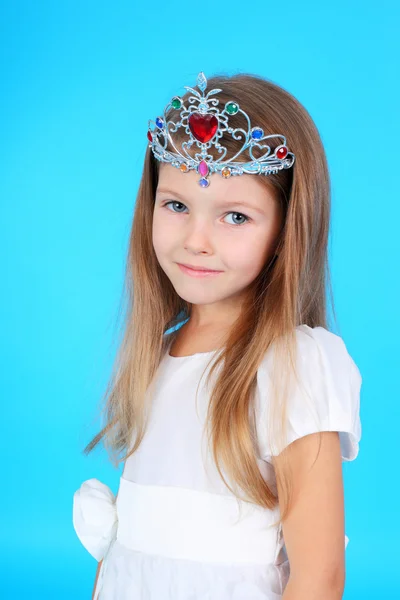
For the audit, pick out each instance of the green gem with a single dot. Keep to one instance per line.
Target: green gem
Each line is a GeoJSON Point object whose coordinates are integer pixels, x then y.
{"type": "Point", "coordinates": [176, 103]}
{"type": "Point", "coordinates": [232, 108]}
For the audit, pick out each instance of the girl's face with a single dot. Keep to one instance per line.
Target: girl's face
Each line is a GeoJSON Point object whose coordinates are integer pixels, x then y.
{"type": "Point", "coordinates": [210, 227]}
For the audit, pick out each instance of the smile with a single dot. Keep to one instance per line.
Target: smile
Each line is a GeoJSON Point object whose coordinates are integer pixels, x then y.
{"type": "Point", "coordinates": [197, 273]}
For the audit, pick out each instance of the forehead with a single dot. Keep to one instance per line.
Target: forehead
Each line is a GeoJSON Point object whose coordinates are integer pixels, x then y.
{"type": "Point", "coordinates": [233, 189]}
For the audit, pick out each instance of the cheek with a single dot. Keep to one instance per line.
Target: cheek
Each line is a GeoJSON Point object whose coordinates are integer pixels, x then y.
{"type": "Point", "coordinates": [248, 255]}
{"type": "Point", "coordinates": [161, 235]}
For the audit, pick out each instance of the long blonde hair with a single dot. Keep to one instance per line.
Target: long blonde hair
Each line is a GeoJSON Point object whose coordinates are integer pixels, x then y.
{"type": "Point", "coordinates": [288, 292]}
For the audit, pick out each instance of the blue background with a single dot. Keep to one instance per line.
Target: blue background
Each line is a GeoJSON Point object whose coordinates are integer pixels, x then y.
{"type": "Point", "coordinates": [79, 81]}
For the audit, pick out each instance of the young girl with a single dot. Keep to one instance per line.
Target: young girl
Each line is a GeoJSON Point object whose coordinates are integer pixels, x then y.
{"type": "Point", "coordinates": [232, 484]}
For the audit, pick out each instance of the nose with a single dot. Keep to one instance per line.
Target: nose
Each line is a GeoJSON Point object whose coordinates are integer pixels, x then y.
{"type": "Point", "coordinates": [198, 237]}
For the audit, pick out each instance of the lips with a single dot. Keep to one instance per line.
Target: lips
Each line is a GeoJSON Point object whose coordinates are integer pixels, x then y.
{"type": "Point", "coordinates": [199, 268]}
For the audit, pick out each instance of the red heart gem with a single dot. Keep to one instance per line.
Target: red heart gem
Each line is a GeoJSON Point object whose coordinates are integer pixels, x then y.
{"type": "Point", "coordinates": [203, 127]}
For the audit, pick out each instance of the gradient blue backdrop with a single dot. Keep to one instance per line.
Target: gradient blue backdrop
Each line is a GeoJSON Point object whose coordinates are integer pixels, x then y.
{"type": "Point", "coordinates": [79, 80]}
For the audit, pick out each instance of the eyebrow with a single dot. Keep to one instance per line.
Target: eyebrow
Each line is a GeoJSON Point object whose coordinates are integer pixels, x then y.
{"type": "Point", "coordinates": [225, 203]}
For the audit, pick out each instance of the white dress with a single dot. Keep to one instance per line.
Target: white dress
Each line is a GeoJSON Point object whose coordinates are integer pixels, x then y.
{"type": "Point", "coordinates": [175, 532]}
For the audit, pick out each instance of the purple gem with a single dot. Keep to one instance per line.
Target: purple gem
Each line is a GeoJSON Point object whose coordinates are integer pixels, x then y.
{"type": "Point", "coordinates": [204, 182]}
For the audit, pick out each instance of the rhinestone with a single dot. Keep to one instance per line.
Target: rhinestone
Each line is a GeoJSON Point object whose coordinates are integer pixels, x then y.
{"type": "Point", "coordinates": [257, 133]}
{"type": "Point", "coordinates": [203, 127]}
{"type": "Point", "coordinates": [232, 108]}
{"type": "Point", "coordinates": [176, 102]}
{"type": "Point", "coordinates": [203, 168]}
{"type": "Point", "coordinates": [281, 152]}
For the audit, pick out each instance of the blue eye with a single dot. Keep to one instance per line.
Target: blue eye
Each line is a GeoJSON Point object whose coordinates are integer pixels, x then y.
{"type": "Point", "coordinates": [241, 215]}
{"type": "Point", "coordinates": [173, 202]}
{"type": "Point", "coordinates": [230, 213]}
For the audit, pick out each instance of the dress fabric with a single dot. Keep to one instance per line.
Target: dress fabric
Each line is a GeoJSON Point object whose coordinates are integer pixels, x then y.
{"type": "Point", "coordinates": [175, 531]}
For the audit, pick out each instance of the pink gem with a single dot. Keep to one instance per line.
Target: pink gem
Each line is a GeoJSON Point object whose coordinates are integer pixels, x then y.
{"type": "Point", "coordinates": [203, 168]}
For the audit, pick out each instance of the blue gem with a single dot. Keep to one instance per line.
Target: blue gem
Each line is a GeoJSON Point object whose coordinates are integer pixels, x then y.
{"type": "Point", "coordinates": [256, 134]}
{"type": "Point", "coordinates": [204, 182]}
{"type": "Point", "coordinates": [159, 123]}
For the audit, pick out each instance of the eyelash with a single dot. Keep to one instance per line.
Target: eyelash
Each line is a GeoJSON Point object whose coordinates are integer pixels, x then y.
{"type": "Point", "coordinates": [229, 213]}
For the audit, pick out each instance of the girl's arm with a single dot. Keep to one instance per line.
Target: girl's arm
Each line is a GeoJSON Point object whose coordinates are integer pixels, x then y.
{"type": "Point", "coordinates": [97, 576]}
{"type": "Point", "coordinates": [314, 529]}
{"type": "Point", "coordinates": [98, 569]}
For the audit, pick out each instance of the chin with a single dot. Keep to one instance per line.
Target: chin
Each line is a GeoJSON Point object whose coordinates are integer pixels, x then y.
{"type": "Point", "coordinates": [199, 296]}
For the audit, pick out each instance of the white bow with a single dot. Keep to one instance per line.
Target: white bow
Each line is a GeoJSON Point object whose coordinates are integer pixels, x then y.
{"type": "Point", "coordinates": [95, 517]}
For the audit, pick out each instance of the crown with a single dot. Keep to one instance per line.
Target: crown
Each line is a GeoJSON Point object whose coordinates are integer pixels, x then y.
{"type": "Point", "coordinates": [205, 124]}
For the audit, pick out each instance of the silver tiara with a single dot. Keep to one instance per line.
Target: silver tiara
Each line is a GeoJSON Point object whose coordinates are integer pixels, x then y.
{"type": "Point", "coordinates": [205, 124]}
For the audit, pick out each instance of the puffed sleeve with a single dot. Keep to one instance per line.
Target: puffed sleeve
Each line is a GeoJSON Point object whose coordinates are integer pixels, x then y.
{"type": "Point", "coordinates": [327, 399]}
{"type": "Point", "coordinates": [94, 517]}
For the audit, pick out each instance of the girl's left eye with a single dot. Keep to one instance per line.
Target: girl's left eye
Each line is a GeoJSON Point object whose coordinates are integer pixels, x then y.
{"type": "Point", "coordinates": [230, 213]}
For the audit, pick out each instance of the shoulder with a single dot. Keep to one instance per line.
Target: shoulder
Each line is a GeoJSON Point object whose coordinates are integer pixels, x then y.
{"type": "Point", "coordinates": [318, 352]}
{"type": "Point", "coordinates": [324, 397]}
{"type": "Point", "coordinates": [313, 342]}
{"type": "Point", "coordinates": [323, 352]}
